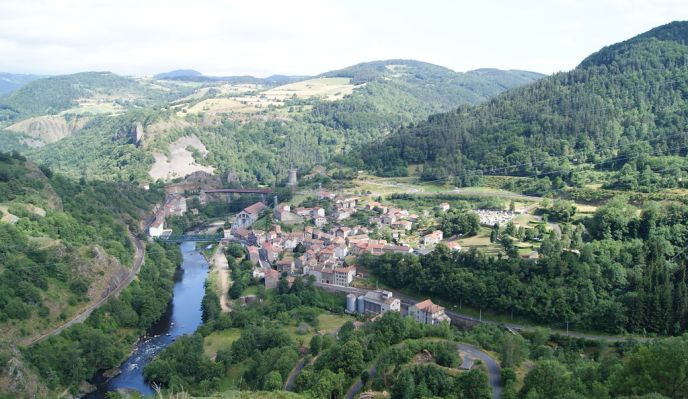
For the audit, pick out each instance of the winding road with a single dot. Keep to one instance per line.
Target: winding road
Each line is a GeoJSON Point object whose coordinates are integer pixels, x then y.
{"type": "Point", "coordinates": [494, 372]}
{"type": "Point", "coordinates": [139, 255]}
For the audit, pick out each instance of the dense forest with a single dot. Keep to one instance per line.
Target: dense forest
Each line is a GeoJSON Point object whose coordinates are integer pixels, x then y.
{"type": "Point", "coordinates": [623, 107]}
{"type": "Point", "coordinates": [618, 271]}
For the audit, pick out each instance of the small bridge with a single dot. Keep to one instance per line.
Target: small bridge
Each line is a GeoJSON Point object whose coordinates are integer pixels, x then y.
{"type": "Point", "coordinates": [203, 196]}
{"type": "Point", "coordinates": [179, 238]}
{"type": "Point", "coordinates": [238, 191]}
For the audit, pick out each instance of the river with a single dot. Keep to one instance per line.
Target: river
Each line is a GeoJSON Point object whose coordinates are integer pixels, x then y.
{"type": "Point", "coordinates": [183, 316]}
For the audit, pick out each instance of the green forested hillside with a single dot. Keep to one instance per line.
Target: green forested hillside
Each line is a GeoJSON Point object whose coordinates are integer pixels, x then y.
{"type": "Point", "coordinates": [52, 95]}
{"type": "Point", "coordinates": [260, 143]}
{"type": "Point", "coordinates": [61, 242]}
{"type": "Point", "coordinates": [624, 105]}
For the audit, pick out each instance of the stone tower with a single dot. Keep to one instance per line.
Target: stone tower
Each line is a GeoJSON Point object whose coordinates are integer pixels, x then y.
{"type": "Point", "coordinates": [292, 180]}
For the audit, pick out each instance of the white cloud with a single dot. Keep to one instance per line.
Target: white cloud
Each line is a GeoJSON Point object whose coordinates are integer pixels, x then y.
{"type": "Point", "coordinates": [308, 36]}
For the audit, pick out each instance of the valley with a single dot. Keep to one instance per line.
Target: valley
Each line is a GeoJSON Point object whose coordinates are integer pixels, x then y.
{"type": "Point", "coordinates": [390, 229]}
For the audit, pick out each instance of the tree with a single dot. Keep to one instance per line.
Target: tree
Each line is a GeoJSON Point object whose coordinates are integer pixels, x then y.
{"type": "Point", "coordinates": [474, 385]}
{"type": "Point", "coordinates": [273, 381]}
{"type": "Point", "coordinates": [328, 385]}
{"type": "Point", "coordinates": [513, 351]}
{"type": "Point", "coordinates": [463, 223]}
{"type": "Point", "coordinates": [549, 378]}
{"type": "Point", "coordinates": [659, 367]}
{"type": "Point", "coordinates": [404, 386]}
{"type": "Point", "coordinates": [316, 343]}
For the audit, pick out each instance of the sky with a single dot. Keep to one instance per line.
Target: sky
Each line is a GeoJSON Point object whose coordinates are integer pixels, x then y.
{"type": "Point", "coordinates": [308, 37]}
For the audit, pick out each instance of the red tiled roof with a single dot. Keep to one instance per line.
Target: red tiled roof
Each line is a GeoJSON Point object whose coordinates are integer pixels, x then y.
{"type": "Point", "coordinates": [428, 306]}
{"type": "Point", "coordinates": [255, 208]}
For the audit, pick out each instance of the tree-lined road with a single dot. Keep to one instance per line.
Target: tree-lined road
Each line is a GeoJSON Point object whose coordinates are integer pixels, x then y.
{"type": "Point", "coordinates": [460, 318]}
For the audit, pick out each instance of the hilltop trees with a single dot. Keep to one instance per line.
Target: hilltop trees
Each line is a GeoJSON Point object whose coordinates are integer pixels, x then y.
{"type": "Point", "coordinates": [620, 110]}
{"type": "Point", "coordinates": [459, 223]}
{"type": "Point", "coordinates": [631, 276]}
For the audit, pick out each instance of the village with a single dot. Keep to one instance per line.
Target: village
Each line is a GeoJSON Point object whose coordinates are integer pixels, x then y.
{"type": "Point", "coordinates": [323, 244]}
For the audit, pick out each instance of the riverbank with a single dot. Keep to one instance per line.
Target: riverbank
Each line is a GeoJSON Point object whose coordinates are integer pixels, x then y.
{"type": "Point", "coordinates": [181, 316]}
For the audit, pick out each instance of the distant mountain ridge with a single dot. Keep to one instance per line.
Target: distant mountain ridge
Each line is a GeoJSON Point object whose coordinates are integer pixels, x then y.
{"type": "Point", "coordinates": [627, 98]}
{"type": "Point", "coordinates": [178, 73]}
{"type": "Point", "coordinates": [190, 75]}
{"type": "Point", "coordinates": [10, 82]}
{"type": "Point", "coordinates": [254, 131]}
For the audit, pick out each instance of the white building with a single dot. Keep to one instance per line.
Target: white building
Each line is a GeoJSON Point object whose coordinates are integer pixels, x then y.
{"type": "Point", "coordinates": [427, 312]}
{"type": "Point", "coordinates": [157, 228]}
{"type": "Point", "coordinates": [249, 215]}
{"type": "Point", "coordinates": [433, 238]}
{"type": "Point", "coordinates": [376, 302]}
{"type": "Point", "coordinates": [344, 275]}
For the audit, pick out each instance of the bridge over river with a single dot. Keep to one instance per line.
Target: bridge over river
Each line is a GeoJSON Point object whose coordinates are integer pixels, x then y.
{"type": "Point", "coordinates": [179, 238]}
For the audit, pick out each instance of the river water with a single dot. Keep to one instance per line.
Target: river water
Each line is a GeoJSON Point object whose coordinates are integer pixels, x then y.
{"type": "Point", "coordinates": [182, 316]}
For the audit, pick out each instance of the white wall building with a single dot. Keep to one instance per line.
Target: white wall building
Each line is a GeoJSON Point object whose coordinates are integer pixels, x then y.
{"type": "Point", "coordinates": [427, 312]}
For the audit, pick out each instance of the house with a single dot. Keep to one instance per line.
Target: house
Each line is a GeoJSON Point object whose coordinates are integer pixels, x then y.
{"type": "Point", "coordinates": [304, 212]}
{"type": "Point", "coordinates": [271, 252]}
{"type": "Point", "coordinates": [343, 276]}
{"type": "Point", "coordinates": [326, 254]}
{"type": "Point", "coordinates": [341, 251]}
{"type": "Point", "coordinates": [402, 224]}
{"type": "Point", "coordinates": [285, 266]}
{"type": "Point", "coordinates": [158, 226]}
{"type": "Point", "coordinates": [282, 208]}
{"type": "Point", "coordinates": [378, 302]}
{"type": "Point", "coordinates": [249, 215]}
{"type": "Point", "coordinates": [427, 312]}
{"type": "Point", "coordinates": [444, 206]}
{"type": "Point", "coordinates": [271, 278]}
{"type": "Point", "coordinates": [342, 231]}
{"type": "Point", "coordinates": [433, 238]}
{"type": "Point", "coordinates": [257, 237]}
{"type": "Point", "coordinates": [453, 245]}
{"type": "Point", "coordinates": [397, 249]}
{"type": "Point", "coordinates": [253, 255]}
{"type": "Point", "coordinates": [372, 205]}
{"type": "Point", "coordinates": [175, 205]}
{"type": "Point", "coordinates": [292, 240]}
{"type": "Point", "coordinates": [241, 234]}
{"type": "Point", "coordinates": [388, 219]}
{"type": "Point", "coordinates": [347, 203]}
{"type": "Point", "coordinates": [320, 221]}
{"type": "Point", "coordinates": [532, 255]}
{"type": "Point", "coordinates": [341, 214]}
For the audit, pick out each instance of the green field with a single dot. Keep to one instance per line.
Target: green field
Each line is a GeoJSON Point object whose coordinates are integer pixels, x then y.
{"type": "Point", "coordinates": [218, 340]}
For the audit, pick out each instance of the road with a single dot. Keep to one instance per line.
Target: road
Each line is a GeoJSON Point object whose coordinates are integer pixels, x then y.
{"type": "Point", "coordinates": [457, 317]}
{"type": "Point", "coordinates": [139, 255]}
{"type": "Point", "coordinates": [494, 372]}
{"type": "Point", "coordinates": [289, 385]}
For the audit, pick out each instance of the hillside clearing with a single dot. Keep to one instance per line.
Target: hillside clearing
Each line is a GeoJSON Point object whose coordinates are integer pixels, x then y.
{"type": "Point", "coordinates": [181, 162]}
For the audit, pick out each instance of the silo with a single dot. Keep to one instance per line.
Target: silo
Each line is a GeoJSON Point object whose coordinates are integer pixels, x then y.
{"type": "Point", "coordinates": [360, 305]}
{"type": "Point", "coordinates": [351, 303]}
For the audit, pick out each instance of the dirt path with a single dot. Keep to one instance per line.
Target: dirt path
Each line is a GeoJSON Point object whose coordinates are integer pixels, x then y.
{"type": "Point", "coordinates": [139, 254]}
{"type": "Point", "coordinates": [222, 266]}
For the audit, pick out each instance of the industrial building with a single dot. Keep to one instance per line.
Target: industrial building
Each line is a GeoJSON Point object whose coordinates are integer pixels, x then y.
{"type": "Point", "coordinates": [373, 302]}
